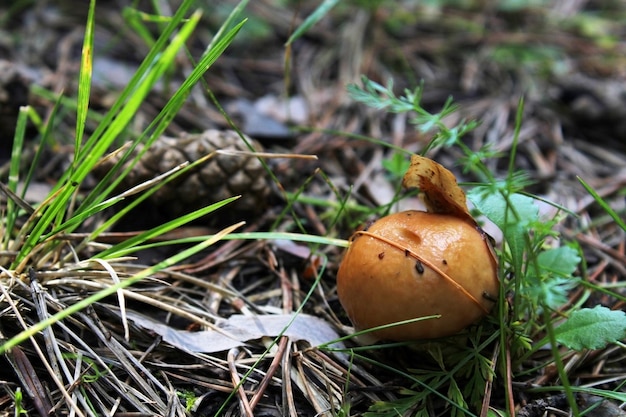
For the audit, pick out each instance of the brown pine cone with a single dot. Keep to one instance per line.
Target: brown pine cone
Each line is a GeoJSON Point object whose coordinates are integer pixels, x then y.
{"type": "Point", "coordinates": [220, 177]}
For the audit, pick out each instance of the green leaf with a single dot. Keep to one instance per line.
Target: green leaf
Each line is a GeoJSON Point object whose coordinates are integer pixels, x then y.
{"type": "Point", "coordinates": [592, 328]}
{"type": "Point", "coordinates": [555, 279]}
{"type": "Point", "coordinates": [512, 216]}
{"type": "Point", "coordinates": [519, 210]}
{"type": "Point", "coordinates": [561, 261]}
{"type": "Point", "coordinates": [550, 292]}
{"type": "Point", "coordinates": [396, 165]}
{"type": "Point", "coordinates": [396, 407]}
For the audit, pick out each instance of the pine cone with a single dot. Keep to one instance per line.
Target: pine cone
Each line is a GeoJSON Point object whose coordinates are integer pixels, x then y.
{"type": "Point", "coordinates": [220, 177]}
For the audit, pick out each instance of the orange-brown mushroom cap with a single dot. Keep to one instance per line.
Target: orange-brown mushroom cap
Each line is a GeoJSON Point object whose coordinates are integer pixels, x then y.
{"type": "Point", "coordinates": [415, 264]}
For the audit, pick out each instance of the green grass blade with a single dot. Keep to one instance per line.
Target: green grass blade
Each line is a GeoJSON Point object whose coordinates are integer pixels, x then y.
{"type": "Point", "coordinates": [206, 61]}
{"type": "Point", "coordinates": [135, 20]}
{"type": "Point", "coordinates": [143, 88]}
{"type": "Point", "coordinates": [130, 245]}
{"type": "Point", "coordinates": [609, 210]}
{"type": "Point", "coordinates": [45, 139]}
{"type": "Point", "coordinates": [156, 184]}
{"type": "Point", "coordinates": [130, 89]}
{"type": "Point", "coordinates": [14, 173]}
{"type": "Point", "coordinates": [236, 12]}
{"type": "Point", "coordinates": [93, 202]}
{"type": "Point", "coordinates": [140, 74]}
{"type": "Point", "coordinates": [158, 125]}
{"type": "Point", "coordinates": [65, 102]}
{"type": "Point", "coordinates": [295, 237]}
{"type": "Point", "coordinates": [84, 78]}
{"type": "Point", "coordinates": [97, 144]}
{"type": "Point", "coordinates": [558, 363]}
{"type": "Point", "coordinates": [518, 128]}
{"type": "Point", "coordinates": [16, 152]}
{"type": "Point", "coordinates": [317, 15]}
{"type": "Point", "coordinates": [129, 110]}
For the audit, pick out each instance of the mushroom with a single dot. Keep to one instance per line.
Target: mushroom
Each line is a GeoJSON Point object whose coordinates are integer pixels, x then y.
{"type": "Point", "coordinates": [415, 264]}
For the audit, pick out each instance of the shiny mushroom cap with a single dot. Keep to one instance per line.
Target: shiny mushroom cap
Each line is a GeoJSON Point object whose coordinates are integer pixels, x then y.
{"type": "Point", "coordinates": [416, 264]}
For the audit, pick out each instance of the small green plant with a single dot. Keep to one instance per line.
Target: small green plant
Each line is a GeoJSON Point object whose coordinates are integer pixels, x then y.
{"type": "Point", "coordinates": [189, 397]}
{"type": "Point", "coordinates": [396, 165]}
{"type": "Point", "coordinates": [18, 400]}
{"type": "Point", "coordinates": [536, 265]}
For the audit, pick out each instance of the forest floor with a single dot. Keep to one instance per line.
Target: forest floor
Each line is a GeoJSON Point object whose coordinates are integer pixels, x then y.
{"type": "Point", "coordinates": [566, 60]}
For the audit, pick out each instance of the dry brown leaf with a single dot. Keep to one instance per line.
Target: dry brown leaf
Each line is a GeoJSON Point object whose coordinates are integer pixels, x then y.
{"type": "Point", "coordinates": [440, 191]}
{"type": "Point", "coordinates": [238, 330]}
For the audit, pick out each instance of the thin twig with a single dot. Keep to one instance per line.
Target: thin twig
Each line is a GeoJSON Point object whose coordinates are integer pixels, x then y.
{"type": "Point", "coordinates": [246, 409]}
